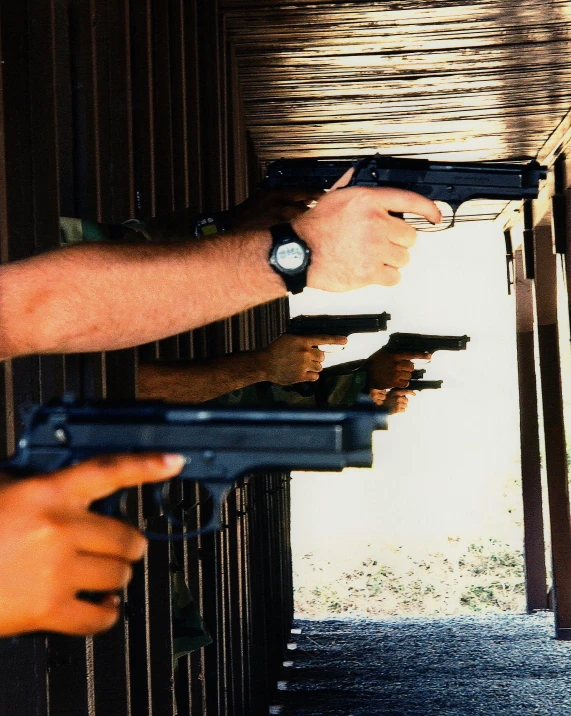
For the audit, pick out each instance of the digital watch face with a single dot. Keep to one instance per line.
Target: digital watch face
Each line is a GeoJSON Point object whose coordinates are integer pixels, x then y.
{"type": "Point", "coordinates": [290, 256]}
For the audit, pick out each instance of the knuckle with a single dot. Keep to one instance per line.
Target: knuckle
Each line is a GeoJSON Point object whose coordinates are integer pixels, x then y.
{"type": "Point", "coordinates": [49, 592]}
{"type": "Point", "coordinates": [126, 575]}
{"type": "Point", "coordinates": [116, 573]}
{"type": "Point", "coordinates": [391, 277]}
{"type": "Point", "coordinates": [131, 543]}
{"type": "Point", "coordinates": [38, 490]}
{"type": "Point", "coordinates": [101, 620]}
{"type": "Point", "coordinates": [403, 258]}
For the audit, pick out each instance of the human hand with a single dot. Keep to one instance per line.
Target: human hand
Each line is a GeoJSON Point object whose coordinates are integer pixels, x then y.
{"type": "Point", "coordinates": [378, 396]}
{"type": "Point", "coordinates": [397, 400]}
{"type": "Point", "coordinates": [356, 241]}
{"type": "Point", "coordinates": [391, 370]}
{"type": "Point", "coordinates": [266, 207]}
{"type": "Point", "coordinates": [52, 547]}
{"type": "Point", "coordinates": [296, 359]}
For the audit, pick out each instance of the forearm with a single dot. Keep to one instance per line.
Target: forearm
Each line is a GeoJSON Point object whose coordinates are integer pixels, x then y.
{"type": "Point", "coordinates": [104, 297]}
{"type": "Point", "coordinates": [201, 380]}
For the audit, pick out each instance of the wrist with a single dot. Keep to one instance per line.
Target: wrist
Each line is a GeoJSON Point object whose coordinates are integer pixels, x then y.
{"type": "Point", "coordinates": [290, 257]}
{"type": "Point", "coordinates": [304, 228]}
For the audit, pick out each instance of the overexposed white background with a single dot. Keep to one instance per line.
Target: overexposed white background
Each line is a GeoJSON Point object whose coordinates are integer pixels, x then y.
{"type": "Point", "coordinates": [446, 468]}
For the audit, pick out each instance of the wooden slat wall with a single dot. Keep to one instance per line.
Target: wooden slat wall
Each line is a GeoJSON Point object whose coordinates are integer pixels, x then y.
{"type": "Point", "coordinates": [111, 109]}
{"type": "Point", "coordinates": [539, 283]}
{"type": "Point", "coordinates": [534, 542]}
{"type": "Point", "coordinates": [482, 80]}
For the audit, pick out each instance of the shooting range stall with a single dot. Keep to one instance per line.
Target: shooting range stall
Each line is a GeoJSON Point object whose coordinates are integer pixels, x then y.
{"type": "Point", "coordinates": [112, 109]}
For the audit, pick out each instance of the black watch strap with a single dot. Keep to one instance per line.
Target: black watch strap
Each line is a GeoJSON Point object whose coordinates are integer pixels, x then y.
{"type": "Point", "coordinates": [294, 279]}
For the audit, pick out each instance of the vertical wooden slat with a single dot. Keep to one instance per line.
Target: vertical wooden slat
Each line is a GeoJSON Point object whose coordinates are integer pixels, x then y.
{"type": "Point", "coordinates": [534, 543]}
{"type": "Point", "coordinates": [236, 633]}
{"type": "Point", "coordinates": [23, 661]}
{"type": "Point", "coordinates": [6, 398]}
{"type": "Point", "coordinates": [67, 657]}
{"type": "Point", "coordinates": [142, 103]}
{"type": "Point", "coordinates": [567, 256]}
{"type": "Point", "coordinates": [114, 123]}
{"type": "Point", "coordinates": [159, 554]}
{"type": "Point", "coordinates": [555, 443]}
{"type": "Point", "coordinates": [210, 608]}
{"type": "Point", "coordinates": [160, 622]}
{"type": "Point", "coordinates": [188, 192]}
{"type": "Point", "coordinates": [194, 575]}
{"type": "Point", "coordinates": [65, 147]}
{"type": "Point", "coordinates": [245, 611]}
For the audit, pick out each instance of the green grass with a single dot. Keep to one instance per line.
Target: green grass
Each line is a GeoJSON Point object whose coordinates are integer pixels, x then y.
{"type": "Point", "coordinates": [483, 576]}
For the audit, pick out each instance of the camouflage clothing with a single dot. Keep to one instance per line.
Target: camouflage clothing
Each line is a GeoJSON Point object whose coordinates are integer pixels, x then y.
{"type": "Point", "coordinates": [333, 389]}
{"type": "Point", "coordinates": [79, 231]}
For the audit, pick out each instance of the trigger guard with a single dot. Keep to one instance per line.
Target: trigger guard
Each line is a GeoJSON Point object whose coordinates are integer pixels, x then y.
{"type": "Point", "coordinates": [218, 491]}
{"type": "Point", "coordinates": [160, 494]}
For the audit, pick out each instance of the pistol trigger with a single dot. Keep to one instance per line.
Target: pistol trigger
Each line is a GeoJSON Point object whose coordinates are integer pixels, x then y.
{"type": "Point", "coordinates": [454, 207]}
{"type": "Point", "coordinates": [218, 491]}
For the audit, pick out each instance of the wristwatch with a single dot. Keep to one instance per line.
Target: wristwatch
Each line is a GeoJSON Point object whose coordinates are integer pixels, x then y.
{"type": "Point", "coordinates": [289, 257]}
{"type": "Point", "coordinates": [210, 223]}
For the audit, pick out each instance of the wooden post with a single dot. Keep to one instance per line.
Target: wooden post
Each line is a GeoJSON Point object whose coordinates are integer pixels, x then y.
{"type": "Point", "coordinates": [554, 428]}
{"type": "Point", "coordinates": [534, 543]}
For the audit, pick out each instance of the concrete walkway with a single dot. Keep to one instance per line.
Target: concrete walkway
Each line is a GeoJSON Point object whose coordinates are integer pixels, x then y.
{"type": "Point", "coordinates": [450, 666]}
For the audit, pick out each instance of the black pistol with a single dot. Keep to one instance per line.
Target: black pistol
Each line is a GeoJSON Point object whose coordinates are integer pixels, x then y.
{"type": "Point", "coordinates": [449, 182]}
{"type": "Point", "coordinates": [338, 325]}
{"type": "Point", "coordinates": [421, 384]}
{"type": "Point", "coordinates": [220, 445]}
{"type": "Point", "coordinates": [423, 343]}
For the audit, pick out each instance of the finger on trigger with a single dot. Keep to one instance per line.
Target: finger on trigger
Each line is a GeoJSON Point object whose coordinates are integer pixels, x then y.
{"type": "Point", "coordinates": [403, 201]}
{"type": "Point", "coordinates": [302, 194]}
{"type": "Point", "coordinates": [328, 340]}
{"type": "Point", "coordinates": [417, 355]}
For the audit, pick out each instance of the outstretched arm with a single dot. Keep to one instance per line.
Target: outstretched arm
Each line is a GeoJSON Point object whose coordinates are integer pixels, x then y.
{"type": "Point", "coordinates": [100, 296]}
{"type": "Point", "coordinates": [104, 297]}
{"type": "Point", "coordinates": [287, 360]}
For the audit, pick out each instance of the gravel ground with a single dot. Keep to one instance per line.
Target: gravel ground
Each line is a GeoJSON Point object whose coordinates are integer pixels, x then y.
{"type": "Point", "coordinates": [491, 665]}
